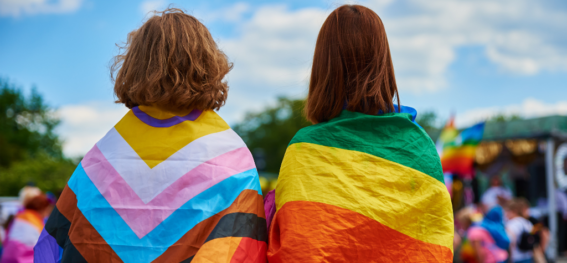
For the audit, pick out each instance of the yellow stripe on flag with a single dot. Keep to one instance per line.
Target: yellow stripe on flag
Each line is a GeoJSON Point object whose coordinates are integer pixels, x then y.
{"type": "Point", "coordinates": [154, 145]}
{"type": "Point", "coordinates": [465, 150]}
{"type": "Point", "coordinates": [397, 196]}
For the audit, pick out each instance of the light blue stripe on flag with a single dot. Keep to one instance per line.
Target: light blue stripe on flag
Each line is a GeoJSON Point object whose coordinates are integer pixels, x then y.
{"type": "Point", "coordinates": [124, 241]}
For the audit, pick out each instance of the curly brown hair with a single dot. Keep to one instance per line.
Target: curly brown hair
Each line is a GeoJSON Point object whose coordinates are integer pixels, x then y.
{"type": "Point", "coordinates": [171, 62]}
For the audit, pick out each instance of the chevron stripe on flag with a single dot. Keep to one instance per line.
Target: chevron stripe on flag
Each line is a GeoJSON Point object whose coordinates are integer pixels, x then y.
{"type": "Point", "coordinates": [160, 188]}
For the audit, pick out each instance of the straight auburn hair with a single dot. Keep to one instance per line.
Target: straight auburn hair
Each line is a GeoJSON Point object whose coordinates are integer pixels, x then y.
{"type": "Point", "coordinates": [352, 66]}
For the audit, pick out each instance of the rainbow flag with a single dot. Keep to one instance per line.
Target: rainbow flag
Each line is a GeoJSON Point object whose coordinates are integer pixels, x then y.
{"type": "Point", "coordinates": [458, 149]}
{"type": "Point", "coordinates": [362, 188]}
{"type": "Point", "coordinates": [160, 188]}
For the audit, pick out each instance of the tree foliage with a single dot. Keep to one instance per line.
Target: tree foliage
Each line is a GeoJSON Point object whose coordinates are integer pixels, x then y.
{"type": "Point", "coordinates": [44, 171]}
{"type": "Point", "coordinates": [428, 121]}
{"type": "Point", "coordinates": [30, 150]}
{"type": "Point", "coordinates": [268, 132]}
{"type": "Point", "coordinates": [27, 126]}
{"type": "Point", "coordinates": [504, 117]}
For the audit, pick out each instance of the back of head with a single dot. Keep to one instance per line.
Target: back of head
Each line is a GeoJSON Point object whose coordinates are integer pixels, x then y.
{"type": "Point", "coordinates": [352, 66]}
{"type": "Point", "coordinates": [496, 215]}
{"type": "Point", "coordinates": [27, 193]}
{"type": "Point", "coordinates": [493, 222]}
{"type": "Point", "coordinates": [38, 203]}
{"type": "Point", "coordinates": [171, 62]}
{"type": "Point", "coordinates": [516, 206]}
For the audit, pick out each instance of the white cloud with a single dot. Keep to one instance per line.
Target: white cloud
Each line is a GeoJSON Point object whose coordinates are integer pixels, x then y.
{"type": "Point", "coordinates": [83, 125]}
{"type": "Point", "coordinates": [233, 13]}
{"type": "Point", "coordinates": [529, 108]}
{"type": "Point", "coordinates": [16, 8]}
{"type": "Point", "coordinates": [152, 5]}
{"type": "Point", "coordinates": [520, 36]}
{"type": "Point", "coordinates": [272, 56]}
{"type": "Point", "coordinates": [273, 49]}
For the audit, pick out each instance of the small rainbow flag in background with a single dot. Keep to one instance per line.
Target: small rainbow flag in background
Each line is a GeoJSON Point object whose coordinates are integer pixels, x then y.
{"type": "Point", "coordinates": [457, 150]}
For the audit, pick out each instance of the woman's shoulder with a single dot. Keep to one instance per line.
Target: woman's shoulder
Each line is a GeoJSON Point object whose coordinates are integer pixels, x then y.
{"type": "Point", "coordinates": [390, 126]}
{"type": "Point", "coordinates": [394, 137]}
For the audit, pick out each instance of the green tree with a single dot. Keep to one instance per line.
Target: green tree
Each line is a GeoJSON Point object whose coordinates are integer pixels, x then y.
{"type": "Point", "coordinates": [428, 121]}
{"type": "Point", "coordinates": [267, 133]}
{"type": "Point", "coordinates": [30, 150]}
{"type": "Point", "coordinates": [504, 117]}
{"type": "Point", "coordinates": [27, 125]}
{"type": "Point", "coordinates": [44, 171]}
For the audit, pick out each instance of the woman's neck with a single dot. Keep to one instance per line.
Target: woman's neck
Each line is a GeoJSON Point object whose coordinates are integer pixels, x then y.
{"type": "Point", "coordinates": [161, 114]}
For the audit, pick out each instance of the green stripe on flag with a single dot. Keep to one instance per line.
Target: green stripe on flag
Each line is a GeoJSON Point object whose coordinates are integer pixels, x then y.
{"type": "Point", "coordinates": [392, 136]}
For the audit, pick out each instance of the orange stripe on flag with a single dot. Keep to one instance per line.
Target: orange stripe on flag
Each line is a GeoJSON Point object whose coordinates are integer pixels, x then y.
{"type": "Point", "coordinates": [458, 164]}
{"type": "Point", "coordinates": [305, 231]}
{"type": "Point", "coordinates": [217, 250]}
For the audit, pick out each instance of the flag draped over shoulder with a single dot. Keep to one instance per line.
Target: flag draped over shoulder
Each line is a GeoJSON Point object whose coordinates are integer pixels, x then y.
{"type": "Point", "coordinates": [160, 188]}
{"type": "Point", "coordinates": [362, 188]}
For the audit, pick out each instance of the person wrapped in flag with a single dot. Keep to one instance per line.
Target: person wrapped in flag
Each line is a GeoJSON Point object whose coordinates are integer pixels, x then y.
{"type": "Point", "coordinates": [364, 184]}
{"type": "Point", "coordinates": [170, 182]}
{"type": "Point", "coordinates": [23, 230]}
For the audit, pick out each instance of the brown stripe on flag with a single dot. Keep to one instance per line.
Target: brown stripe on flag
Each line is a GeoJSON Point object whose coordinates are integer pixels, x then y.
{"type": "Point", "coordinates": [82, 234]}
{"type": "Point", "coordinates": [249, 201]}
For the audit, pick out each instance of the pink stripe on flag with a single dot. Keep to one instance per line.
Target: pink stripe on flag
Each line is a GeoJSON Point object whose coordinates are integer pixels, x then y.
{"type": "Point", "coordinates": [143, 218]}
{"type": "Point", "coordinates": [16, 252]}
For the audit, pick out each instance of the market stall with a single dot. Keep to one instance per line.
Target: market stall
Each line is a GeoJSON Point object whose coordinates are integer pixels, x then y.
{"type": "Point", "coordinates": [533, 154]}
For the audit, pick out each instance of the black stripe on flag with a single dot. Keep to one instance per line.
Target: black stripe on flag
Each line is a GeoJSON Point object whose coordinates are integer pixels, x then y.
{"type": "Point", "coordinates": [238, 225]}
{"type": "Point", "coordinates": [58, 227]}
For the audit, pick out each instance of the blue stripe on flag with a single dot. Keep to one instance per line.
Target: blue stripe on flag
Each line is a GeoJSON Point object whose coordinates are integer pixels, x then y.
{"type": "Point", "coordinates": [473, 134]}
{"type": "Point", "coordinates": [124, 241]}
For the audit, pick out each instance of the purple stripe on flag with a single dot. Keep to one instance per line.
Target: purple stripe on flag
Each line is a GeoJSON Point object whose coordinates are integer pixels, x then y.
{"type": "Point", "coordinates": [270, 207]}
{"type": "Point", "coordinates": [149, 120]}
{"type": "Point", "coordinates": [46, 250]}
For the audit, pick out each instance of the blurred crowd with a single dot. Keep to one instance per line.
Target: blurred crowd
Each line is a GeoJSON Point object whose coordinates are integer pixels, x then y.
{"type": "Point", "coordinates": [503, 228]}
{"type": "Point", "coordinates": [22, 222]}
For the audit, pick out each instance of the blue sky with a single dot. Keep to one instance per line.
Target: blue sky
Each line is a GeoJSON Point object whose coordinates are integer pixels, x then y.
{"type": "Point", "coordinates": [475, 58]}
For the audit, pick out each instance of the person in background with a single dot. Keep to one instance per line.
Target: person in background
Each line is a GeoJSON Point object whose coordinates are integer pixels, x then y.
{"type": "Point", "coordinates": [489, 239]}
{"type": "Point", "coordinates": [539, 229]}
{"type": "Point", "coordinates": [27, 193]}
{"type": "Point", "coordinates": [24, 230]}
{"type": "Point", "coordinates": [518, 228]}
{"type": "Point", "coordinates": [497, 194]}
{"type": "Point", "coordinates": [560, 214]}
{"type": "Point", "coordinates": [463, 221]}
